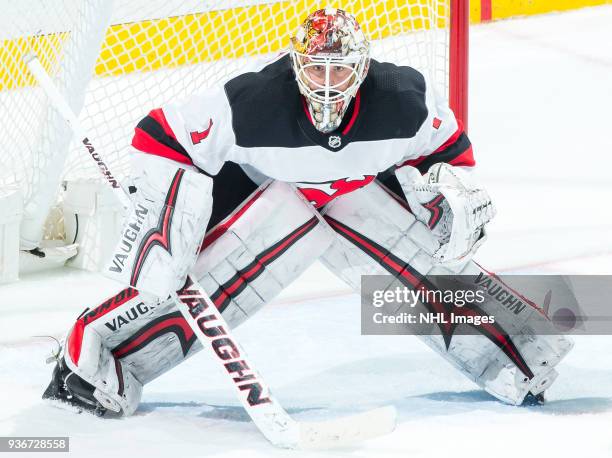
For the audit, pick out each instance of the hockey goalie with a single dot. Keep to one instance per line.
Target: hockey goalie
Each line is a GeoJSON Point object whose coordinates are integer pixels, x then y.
{"type": "Point", "coordinates": [322, 154]}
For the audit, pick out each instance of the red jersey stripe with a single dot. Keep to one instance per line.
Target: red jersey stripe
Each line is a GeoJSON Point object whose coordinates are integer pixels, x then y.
{"type": "Point", "coordinates": [142, 141]}
{"type": "Point", "coordinates": [158, 115]}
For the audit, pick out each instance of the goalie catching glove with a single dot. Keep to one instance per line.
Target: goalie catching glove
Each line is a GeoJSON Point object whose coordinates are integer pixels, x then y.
{"type": "Point", "coordinates": [164, 227]}
{"type": "Point", "coordinates": [454, 208]}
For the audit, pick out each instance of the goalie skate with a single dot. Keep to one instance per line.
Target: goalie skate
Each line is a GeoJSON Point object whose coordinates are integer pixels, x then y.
{"type": "Point", "coordinates": [68, 389]}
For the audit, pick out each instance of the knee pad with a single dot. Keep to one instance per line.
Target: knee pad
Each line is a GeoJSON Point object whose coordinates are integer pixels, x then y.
{"type": "Point", "coordinates": [257, 251]}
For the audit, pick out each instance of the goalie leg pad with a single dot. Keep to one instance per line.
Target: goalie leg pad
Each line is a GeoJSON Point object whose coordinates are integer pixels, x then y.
{"type": "Point", "coordinates": [164, 227]}
{"type": "Point", "coordinates": [254, 254]}
{"type": "Point", "coordinates": [378, 235]}
{"type": "Point", "coordinates": [249, 257]}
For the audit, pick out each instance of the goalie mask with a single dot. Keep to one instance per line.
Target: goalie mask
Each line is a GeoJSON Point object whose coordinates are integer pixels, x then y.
{"type": "Point", "coordinates": [330, 57]}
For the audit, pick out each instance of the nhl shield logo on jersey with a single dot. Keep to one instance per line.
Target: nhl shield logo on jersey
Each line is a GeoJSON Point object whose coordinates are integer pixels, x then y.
{"type": "Point", "coordinates": [334, 141]}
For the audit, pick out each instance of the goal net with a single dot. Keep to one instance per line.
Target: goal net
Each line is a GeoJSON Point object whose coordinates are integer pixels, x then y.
{"type": "Point", "coordinates": [115, 60]}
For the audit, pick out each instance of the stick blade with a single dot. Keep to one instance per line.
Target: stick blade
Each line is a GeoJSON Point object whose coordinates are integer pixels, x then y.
{"type": "Point", "coordinates": [345, 431]}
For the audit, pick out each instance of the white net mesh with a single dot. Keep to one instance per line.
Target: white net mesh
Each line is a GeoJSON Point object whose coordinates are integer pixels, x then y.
{"type": "Point", "coordinates": [148, 53]}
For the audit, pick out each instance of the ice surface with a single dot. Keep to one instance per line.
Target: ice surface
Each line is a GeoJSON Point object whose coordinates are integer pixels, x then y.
{"type": "Point", "coordinates": [540, 98]}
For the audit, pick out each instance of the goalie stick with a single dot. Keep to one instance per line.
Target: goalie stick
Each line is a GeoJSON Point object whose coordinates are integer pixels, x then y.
{"type": "Point", "coordinates": [215, 335]}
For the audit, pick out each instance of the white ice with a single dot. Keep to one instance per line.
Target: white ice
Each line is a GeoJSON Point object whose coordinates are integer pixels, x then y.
{"type": "Point", "coordinates": [540, 98]}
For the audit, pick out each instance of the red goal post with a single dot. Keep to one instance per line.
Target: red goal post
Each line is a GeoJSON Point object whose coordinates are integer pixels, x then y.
{"type": "Point", "coordinates": [459, 44]}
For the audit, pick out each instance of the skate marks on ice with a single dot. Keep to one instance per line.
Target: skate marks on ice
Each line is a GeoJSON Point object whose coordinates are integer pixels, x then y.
{"type": "Point", "coordinates": [481, 400]}
{"type": "Point", "coordinates": [416, 384]}
{"type": "Point", "coordinates": [208, 411]}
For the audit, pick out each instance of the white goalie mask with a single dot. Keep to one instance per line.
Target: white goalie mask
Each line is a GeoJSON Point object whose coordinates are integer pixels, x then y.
{"type": "Point", "coordinates": [330, 57]}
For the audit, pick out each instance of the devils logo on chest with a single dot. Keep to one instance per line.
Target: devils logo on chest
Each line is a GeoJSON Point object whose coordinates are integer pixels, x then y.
{"type": "Point", "coordinates": [321, 193]}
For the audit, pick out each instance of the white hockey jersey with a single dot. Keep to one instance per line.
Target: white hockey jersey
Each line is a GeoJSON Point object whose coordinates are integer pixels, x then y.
{"type": "Point", "coordinates": [259, 119]}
